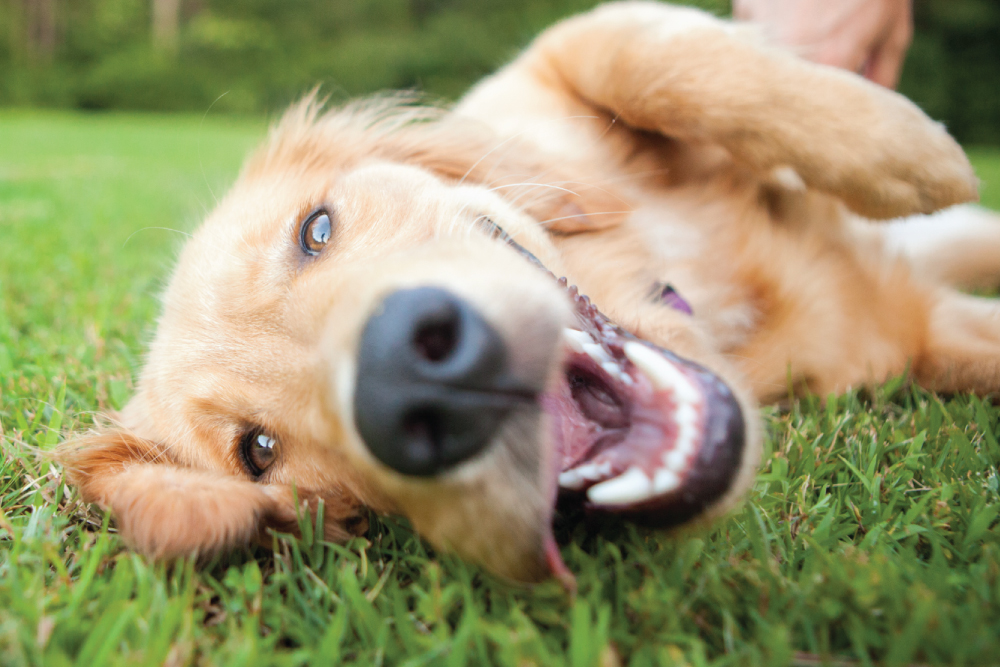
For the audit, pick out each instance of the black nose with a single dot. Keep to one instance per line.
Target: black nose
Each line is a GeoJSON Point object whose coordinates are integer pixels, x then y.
{"type": "Point", "coordinates": [433, 382]}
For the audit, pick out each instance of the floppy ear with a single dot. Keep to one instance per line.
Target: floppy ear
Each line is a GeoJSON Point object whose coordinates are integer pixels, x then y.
{"type": "Point", "coordinates": [162, 509]}
{"type": "Point", "coordinates": [167, 510]}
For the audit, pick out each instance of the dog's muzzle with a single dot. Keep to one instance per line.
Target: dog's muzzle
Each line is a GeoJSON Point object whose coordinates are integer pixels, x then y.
{"type": "Point", "coordinates": [433, 382]}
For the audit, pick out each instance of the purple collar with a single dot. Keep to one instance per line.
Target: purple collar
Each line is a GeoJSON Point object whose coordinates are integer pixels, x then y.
{"type": "Point", "coordinates": [668, 296]}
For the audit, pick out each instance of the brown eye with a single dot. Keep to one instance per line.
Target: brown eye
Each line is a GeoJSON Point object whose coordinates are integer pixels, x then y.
{"type": "Point", "coordinates": [316, 232]}
{"type": "Point", "coordinates": [259, 451]}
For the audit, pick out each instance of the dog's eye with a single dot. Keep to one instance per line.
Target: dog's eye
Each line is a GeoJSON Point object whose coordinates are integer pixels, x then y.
{"type": "Point", "coordinates": [316, 232]}
{"type": "Point", "coordinates": [259, 451]}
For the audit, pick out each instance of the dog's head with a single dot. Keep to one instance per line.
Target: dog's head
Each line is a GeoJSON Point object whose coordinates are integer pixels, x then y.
{"type": "Point", "coordinates": [371, 318]}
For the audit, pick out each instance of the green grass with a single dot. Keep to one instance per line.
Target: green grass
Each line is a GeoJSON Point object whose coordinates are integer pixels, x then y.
{"type": "Point", "coordinates": [872, 535]}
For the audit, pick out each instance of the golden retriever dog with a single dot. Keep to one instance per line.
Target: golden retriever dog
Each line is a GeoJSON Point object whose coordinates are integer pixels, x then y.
{"type": "Point", "coordinates": [573, 286]}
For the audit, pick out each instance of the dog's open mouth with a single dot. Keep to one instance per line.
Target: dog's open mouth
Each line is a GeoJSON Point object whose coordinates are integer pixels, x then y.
{"type": "Point", "coordinates": [638, 430]}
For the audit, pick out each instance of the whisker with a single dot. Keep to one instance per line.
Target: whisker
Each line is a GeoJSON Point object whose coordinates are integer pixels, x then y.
{"type": "Point", "coordinates": [534, 185]}
{"type": "Point", "coordinates": [564, 217]}
{"type": "Point", "coordinates": [200, 163]}
{"type": "Point", "coordinates": [634, 176]}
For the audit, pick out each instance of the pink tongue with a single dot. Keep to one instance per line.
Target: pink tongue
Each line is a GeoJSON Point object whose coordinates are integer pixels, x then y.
{"type": "Point", "coordinates": [575, 435]}
{"type": "Point", "coordinates": [639, 440]}
{"type": "Point", "coordinates": [557, 566]}
{"type": "Point", "coordinates": [648, 438]}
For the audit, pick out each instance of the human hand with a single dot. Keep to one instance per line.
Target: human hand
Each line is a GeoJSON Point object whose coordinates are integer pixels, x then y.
{"type": "Point", "coordinates": [865, 36]}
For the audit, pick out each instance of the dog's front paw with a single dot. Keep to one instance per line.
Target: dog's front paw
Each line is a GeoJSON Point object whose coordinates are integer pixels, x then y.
{"type": "Point", "coordinates": [914, 167]}
{"type": "Point", "coordinates": [886, 159]}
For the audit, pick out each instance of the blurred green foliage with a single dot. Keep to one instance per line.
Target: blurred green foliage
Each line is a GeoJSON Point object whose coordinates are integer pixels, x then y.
{"type": "Point", "coordinates": [953, 68]}
{"type": "Point", "coordinates": [258, 55]}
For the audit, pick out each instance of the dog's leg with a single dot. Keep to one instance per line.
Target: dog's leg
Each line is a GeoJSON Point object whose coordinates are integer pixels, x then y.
{"type": "Point", "coordinates": [688, 75]}
{"type": "Point", "coordinates": [959, 246]}
{"type": "Point", "coordinates": [962, 351]}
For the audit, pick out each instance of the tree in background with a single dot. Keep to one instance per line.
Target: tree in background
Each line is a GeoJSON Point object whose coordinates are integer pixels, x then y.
{"type": "Point", "coordinates": [32, 30]}
{"type": "Point", "coordinates": [953, 69]}
{"type": "Point", "coordinates": [166, 24]}
{"type": "Point", "coordinates": [251, 56]}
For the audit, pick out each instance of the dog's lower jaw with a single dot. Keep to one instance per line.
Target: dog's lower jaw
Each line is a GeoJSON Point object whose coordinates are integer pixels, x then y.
{"type": "Point", "coordinates": [495, 509]}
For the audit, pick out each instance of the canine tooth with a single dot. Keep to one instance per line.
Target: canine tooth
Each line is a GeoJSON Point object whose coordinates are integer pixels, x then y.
{"type": "Point", "coordinates": [661, 372]}
{"type": "Point", "coordinates": [612, 369]}
{"type": "Point", "coordinates": [665, 481]}
{"type": "Point", "coordinates": [597, 353]}
{"type": "Point", "coordinates": [577, 339]}
{"type": "Point", "coordinates": [632, 486]}
{"type": "Point", "coordinates": [676, 460]}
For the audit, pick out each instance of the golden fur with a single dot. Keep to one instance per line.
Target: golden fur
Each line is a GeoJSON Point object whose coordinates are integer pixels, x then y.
{"type": "Point", "coordinates": [636, 143]}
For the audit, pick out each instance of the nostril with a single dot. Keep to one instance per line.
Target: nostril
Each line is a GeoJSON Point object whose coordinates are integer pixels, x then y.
{"type": "Point", "coordinates": [436, 340]}
{"type": "Point", "coordinates": [424, 433]}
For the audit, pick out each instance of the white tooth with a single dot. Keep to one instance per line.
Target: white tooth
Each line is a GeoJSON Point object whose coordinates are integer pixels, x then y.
{"type": "Point", "coordinates": [575, 478]}
{"type": "Point", "coordinates": [596, 353]}
{"type": "Point", "coordinates": [577, 339]}
{"type": "Point", "coordinates": [662, 373]}
{"type": "Point", "coordinates": [665, 481]}
{"type": "Point", "coordinates": [597, 471]}
{"type": "Point", "coordinates": [611, 368]}
{"type": "Point", "coordinates": [632, 486]}
{"type": "Point", "coordinates": [571, 479]}
{"type": "Point", "coordinates": [676, 460]}
{"type": "Point", "coordinates": [624, 377]}
{"type": "Point", "coordinates": [684, 445]}
{"type": "Point", "coordinates": [686, 416]}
